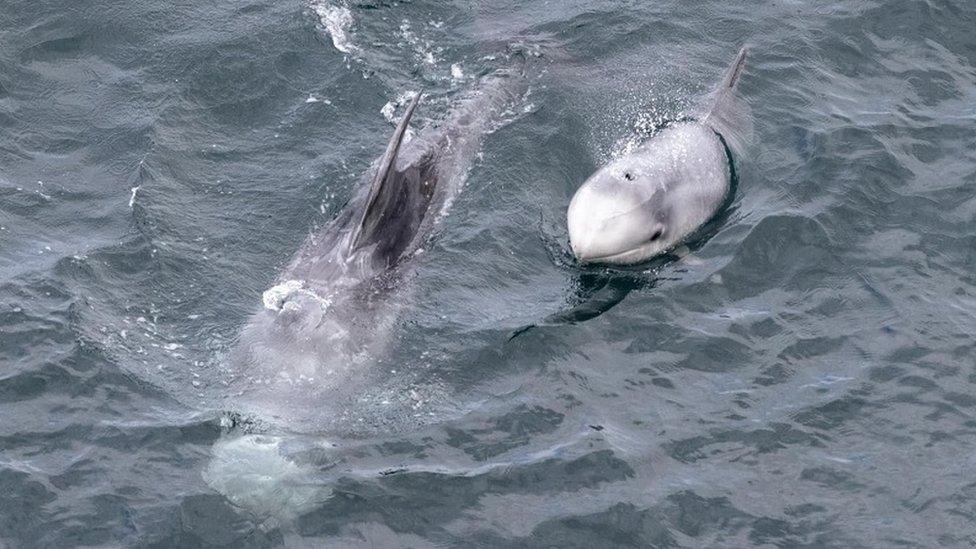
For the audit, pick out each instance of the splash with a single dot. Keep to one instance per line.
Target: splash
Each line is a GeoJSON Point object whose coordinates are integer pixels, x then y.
{"type": "Point", "coordinates": [337, 20]}
{"type": "Point", "coordinates": [457, 74]}
{"type": "Point", "coordinates": [389, 111]}
{"type": "Point", "coordinates": [425, 53]}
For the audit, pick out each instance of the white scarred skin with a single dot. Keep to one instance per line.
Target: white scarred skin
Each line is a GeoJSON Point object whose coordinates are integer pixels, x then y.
{"type": "Point", "coordinates": [648, 201]}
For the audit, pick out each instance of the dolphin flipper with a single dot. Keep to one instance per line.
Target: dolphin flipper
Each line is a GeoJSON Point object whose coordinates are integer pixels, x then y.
{"type": "Point", "coordinates": [596, 294]}
{"type": "Point", "coordinates": [381, 195]}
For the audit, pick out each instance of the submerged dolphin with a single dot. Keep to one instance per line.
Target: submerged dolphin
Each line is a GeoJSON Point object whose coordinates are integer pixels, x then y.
{"type": "Point", "coordinates": [333, 307]}
{"type": "Point", "coordinates": [651, 199]}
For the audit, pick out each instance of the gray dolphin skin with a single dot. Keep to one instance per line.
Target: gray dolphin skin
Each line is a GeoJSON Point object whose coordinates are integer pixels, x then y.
{"type": "Point", "coordinates": [648, 201]}
{"type": "Point", "coordinates": [332, 307]}
{"type": "Point", "coordinates": [308, 359]}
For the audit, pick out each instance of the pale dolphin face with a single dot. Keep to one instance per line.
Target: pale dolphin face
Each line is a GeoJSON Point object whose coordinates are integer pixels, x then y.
{"type": "Point", "coordinates": [620, 215]}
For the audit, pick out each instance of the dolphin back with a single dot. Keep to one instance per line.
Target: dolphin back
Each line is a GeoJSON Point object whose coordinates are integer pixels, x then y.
{"type": "Point", "coordinates": [727, 114]}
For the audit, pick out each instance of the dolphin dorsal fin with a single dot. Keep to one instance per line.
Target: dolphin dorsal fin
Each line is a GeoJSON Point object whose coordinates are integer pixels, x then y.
{"type": "Point", "coordinates": [728, 115]}
{"type": "Point", "coordinates": [726, 90]}
{"type": "Point", "coordinates": [379, 197]}
{"type": "Point", "coordinates": [735, 69]}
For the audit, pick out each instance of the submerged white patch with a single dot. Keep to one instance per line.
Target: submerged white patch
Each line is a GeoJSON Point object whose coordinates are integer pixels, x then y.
{"type": "Point", "coordinates": [337, 20]}
{"type": "Point", "coordinates": [252, 472]}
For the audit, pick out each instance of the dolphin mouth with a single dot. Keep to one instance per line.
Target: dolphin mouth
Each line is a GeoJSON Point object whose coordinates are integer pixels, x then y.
{"type": "Point", "coordinates": [588, 248]}
{"type": "Point", "coordinates": [617, 258]}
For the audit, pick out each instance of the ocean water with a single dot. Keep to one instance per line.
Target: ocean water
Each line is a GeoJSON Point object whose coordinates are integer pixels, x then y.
{"type": "Point", "coordinates": [803, 377]}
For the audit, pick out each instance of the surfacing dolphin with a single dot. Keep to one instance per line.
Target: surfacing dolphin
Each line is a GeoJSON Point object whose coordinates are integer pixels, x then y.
{"type": "Point", "coordinates": [650, 200]}
{"type": "Point", "coordinates": [303, 370]}
{"type": "Point", "coordinates": [333, 307]}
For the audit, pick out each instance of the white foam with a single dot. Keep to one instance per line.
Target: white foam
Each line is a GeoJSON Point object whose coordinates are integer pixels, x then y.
{"type": "Point", "coordinates": [337, 20]}
{"type": "Point", "coordinates": [389, 111]}
{"type": "Point", "coordinates": [423, 49]}
{"type": "Point", "coordinates": [276, 297]}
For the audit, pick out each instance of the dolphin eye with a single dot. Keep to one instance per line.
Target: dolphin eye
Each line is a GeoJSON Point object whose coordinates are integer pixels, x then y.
{"type": "Point", "coordinates": [628, 176]}
{"type": "Point", "coordinates": [657, 234]}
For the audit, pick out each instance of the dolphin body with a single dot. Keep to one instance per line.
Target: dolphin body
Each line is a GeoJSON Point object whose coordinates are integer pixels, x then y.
{"type": "Point", "coordinates": [650, 200]}
{"type": "Point", "coordinates": [334, 306]}
{"type": "Point", "coordinates": [300, 373]}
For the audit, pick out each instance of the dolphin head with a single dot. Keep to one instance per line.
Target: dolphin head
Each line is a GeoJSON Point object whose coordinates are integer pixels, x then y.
{"type": "Point", "coordinates": [619, 215]}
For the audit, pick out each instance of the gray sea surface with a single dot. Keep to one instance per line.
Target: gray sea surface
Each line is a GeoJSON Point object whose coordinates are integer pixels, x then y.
{"type": "Point", "coordinates": [801, 375]}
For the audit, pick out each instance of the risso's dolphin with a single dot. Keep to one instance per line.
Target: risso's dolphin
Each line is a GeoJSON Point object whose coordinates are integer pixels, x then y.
{"type": "Point", "coordinates": [333, 307]}
{"type": "Point", "coordinates": [304, 381]}
{"type": "Point", "coordinates": [648, 201]}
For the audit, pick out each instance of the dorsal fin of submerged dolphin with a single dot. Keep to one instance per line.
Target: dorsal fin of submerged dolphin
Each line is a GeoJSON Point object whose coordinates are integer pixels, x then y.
{"type": "Point", "coordinates": [382, 194]}
{"type": "Point", "coordinates": [727, 113]}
